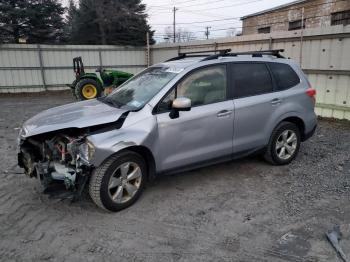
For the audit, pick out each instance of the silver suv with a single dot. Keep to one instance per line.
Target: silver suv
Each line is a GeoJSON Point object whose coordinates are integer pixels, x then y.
{"type": "Point", "coordinates": [190, 111]}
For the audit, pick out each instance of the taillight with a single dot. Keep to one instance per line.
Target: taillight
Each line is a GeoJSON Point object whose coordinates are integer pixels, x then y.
{"type": "Point", "coordinates": [312, 94]}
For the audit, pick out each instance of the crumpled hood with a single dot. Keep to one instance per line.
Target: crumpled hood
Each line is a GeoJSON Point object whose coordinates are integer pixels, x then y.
{"type": "Point", "coordinates": [74, 115]}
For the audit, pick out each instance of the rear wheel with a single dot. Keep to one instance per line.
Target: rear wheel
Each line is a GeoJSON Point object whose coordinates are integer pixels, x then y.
{"type": "Point", "coordinates": [88, 89]}
{"type": "Point", "coordinates": [119, 181]}
{"type": "Point", "coordinates": [284, 144]}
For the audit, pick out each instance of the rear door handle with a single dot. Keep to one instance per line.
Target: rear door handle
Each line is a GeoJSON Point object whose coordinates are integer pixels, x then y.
{"type": "Point", "coordinates": [224, 113]}
{"type": "Point", "coordinates": [276, 101]}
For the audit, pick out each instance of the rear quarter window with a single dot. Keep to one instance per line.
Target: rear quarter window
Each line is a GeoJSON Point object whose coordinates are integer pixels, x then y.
{"type": "Point", "coordinates": [250, 79]}
{"type": "Point", "coordinates": [284, 75]}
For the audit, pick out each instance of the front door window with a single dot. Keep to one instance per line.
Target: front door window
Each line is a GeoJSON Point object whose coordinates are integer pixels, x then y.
{"type": "Point", "coordinates": [204, 86]}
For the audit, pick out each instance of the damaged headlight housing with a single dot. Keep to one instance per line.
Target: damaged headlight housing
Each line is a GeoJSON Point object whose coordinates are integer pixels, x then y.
{"type": "Point", "coordinates": [20, 136]}
{"type": "Point", "coordinates": [22, 132]}
{"type": "Point", "coordinates": [87, 150]}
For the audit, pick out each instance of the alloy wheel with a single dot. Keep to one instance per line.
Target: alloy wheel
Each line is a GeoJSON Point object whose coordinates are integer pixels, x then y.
{"type": "Point", "coordinates": [124, 182]}
{"type": "Point", "coordinates": [286, 144]}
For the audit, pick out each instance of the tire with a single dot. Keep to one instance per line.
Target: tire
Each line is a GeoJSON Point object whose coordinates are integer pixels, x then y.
{"type": "Point", "coordinates": [88, 88]}
{"type": "Point", "coordinates": [279, 140]}
{"type": "Point", "coordinates": [107, 179]}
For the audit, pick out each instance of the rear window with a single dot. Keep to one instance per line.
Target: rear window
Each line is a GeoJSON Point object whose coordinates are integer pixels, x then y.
{"type": "Point", "coordinates": [284, 75]}
{"type": "Point", "coordinates": [250, 79]}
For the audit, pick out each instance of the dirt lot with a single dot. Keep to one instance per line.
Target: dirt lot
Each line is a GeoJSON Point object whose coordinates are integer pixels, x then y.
{"type": "Point", "coordinates": [239, 211]}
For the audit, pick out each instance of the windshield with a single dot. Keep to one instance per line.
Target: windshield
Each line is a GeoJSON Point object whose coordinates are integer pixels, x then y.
{"type": "Point", "coordinates": [135, 93]}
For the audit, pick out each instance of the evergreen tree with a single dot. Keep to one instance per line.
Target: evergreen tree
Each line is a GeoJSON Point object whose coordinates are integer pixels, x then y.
{"type": "Point", "coordinates": [70, 22]}
{"type": "Point", "coordinates": [38, 21]}
{"type": "Point", "coordinates": [85, 28]}
{"type": "Point", "coordinates": [121, 22]}
{"type": "Point", "coordinates": [13, 20]}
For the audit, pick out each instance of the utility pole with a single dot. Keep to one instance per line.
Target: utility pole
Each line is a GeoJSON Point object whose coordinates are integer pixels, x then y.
{"type": "Point", "coordinates": [207, 31]}
{"type": "Point", "coordinates": [301, 36]}
{"type": "Point", "coordinates": [148, 52]}
{"type": "Point", "coordinates": [174, 23]}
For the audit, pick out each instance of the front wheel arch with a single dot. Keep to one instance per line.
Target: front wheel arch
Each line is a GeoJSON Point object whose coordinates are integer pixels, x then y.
{"type": "Point", "coordinates": [144, 152]}
{"type": "Point", "coordinates": [94, 77]}
{"type": "Point", "coordinates": [148, 157]}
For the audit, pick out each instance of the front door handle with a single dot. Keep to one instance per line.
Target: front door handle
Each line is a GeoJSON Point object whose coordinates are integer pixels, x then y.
{"type": "Point", "coordinates": [224, 113]}
{"type": "Point", "coordinates": [276, 101]}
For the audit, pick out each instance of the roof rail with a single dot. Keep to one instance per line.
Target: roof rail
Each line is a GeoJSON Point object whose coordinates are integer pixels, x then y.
{"type": "Point", "coordinates": [275, 52]}
{"type": "Point", "coordinates": [222, 51]}
{"type": "Point", "coordinates": [189, 54]}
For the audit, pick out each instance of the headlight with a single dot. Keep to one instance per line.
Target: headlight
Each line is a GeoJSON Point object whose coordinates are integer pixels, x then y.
{"type": "Point", "coordinates": [19, 138]}
{"type": "Point", "coordinates": [23, 131]}
{"type": "Point", "coordinates": [87, 150]}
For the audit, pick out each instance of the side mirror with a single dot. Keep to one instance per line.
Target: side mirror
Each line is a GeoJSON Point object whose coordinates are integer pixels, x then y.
{"type": "Point", "coordinates": [180, 104]}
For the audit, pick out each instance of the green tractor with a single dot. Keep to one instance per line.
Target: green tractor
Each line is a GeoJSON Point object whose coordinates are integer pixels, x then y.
{"type": "Point", "coordinates": [89, 85]}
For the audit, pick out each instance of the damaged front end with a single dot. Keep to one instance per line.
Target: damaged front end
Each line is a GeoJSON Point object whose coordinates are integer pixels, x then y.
{"type": "Point", "coordinates": [54, 145]}
{"type": "Point", "coordinates": [57, 157]}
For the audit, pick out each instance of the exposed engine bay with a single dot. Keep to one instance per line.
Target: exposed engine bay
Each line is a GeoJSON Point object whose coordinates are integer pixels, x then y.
{"type": "Point", "coordinates": [56, 157]}
{"type": "Point", "coordinates": [63, 155]}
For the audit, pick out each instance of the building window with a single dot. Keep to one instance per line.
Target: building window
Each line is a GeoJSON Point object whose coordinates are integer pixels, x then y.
{"type": "Point", "coordinates": [296, 25]}
{"type": "Point", "coordinates": [264, 30]}
{"type": "Point", "coordinates": [341, 18]}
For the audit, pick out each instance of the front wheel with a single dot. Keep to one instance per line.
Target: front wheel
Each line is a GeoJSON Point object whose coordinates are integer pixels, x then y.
{"type": "Point", "coordinates": [88, 89]}
{"type": "Point", "coordinates": [119, 181]}
{"type": "Point", "coordinates": [284, 144]}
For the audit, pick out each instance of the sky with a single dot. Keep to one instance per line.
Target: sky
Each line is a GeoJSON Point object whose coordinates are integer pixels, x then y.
{"type": "Point", "coordinates": [196, 15]}
{"type": "Point", "coordinates": [189, 11]}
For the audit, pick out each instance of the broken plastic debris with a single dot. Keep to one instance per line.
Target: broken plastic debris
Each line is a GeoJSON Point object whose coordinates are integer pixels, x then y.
{"type": "Point", "coordinates": [334, 236]}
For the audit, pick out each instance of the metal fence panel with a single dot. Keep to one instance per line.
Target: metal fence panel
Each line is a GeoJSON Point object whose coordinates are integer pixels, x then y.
{"type": "Point", "coordinates": [17, 58]}
{"type": "Point", "coordinates": [129, 58]}
{"type": "Point", "coordinates": [160, 55]}
{"type": "Point", "coordinates": [64, 58]}
{"type": "Point", "coordinates": [39, 67]}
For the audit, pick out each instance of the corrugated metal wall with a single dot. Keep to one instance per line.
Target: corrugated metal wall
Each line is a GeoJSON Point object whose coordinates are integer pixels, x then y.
{"type": "Point", "coordinates": [325, 58]}
{"type": "Point", "coordinates": [31, 68]}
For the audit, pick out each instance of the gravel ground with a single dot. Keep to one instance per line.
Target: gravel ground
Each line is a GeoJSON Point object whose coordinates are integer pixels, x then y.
{"type": "Point", "coordinates": [245, 210]}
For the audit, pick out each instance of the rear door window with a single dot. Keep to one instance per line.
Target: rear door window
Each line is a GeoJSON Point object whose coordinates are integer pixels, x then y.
{"type": "Point", "coordinates": [284, 75]}
{"type": "Point", "coordinates": [250, 79]}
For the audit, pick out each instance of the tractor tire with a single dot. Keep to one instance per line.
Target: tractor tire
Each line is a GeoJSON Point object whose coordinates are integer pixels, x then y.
{"type": "Point", "coordinates": [87, 89]}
